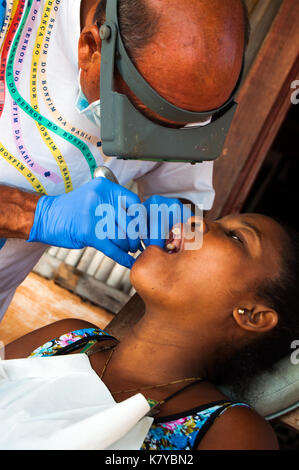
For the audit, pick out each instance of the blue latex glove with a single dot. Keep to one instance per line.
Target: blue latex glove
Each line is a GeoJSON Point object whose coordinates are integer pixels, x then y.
{"type": "Point", "coordinates": [2, 12]}
{"type": "Point", "coordinates": [159, 226]}
{"type": "Point", "coordinates": [88, 216]}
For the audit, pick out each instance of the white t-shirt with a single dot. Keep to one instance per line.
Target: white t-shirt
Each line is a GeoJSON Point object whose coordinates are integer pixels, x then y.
{"type": "Point", "coordinates": [46, 145]}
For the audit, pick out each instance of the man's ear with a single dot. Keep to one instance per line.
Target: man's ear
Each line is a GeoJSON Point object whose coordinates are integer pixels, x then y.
{"type": "Point", "coordinates": [257, 318]}
{"type": "Point", "coordinates": [89, 47]}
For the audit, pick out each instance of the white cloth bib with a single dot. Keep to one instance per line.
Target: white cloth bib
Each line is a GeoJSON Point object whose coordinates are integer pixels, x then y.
{"type": "Point", "coordinates": [59, 403]}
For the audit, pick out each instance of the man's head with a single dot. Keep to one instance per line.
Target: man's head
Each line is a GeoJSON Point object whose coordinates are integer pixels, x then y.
{"type": "Point", "coordinates": [189, 51]}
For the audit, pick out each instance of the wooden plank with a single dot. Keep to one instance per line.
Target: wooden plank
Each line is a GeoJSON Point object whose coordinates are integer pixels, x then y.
{"type": "Point", "coordinates": [89, 288]}
{"type": "Point", "coordinates": [95, 262]}
{"type": "Point", "coordinates": [126, 285]}
{"type": "Point", "coordinates": [104, 269]}
{"type": "Point", "coordinates": [47, 266]}
{"type": "Point", "coordinates": [261, 19]}
{"type": "Point", "coordinates": [74, 257]}
{"type": "Point", "coordinates": [129, 315]}
{"type": "Point", "coordinates": [258, 15]}
{"type": "Point", "coordinates": [62, 254]}
{"type": "Point", "coordinates": [291, 420]}
{"type": "Point", "coordinates": [86, 258]}
{"type": "Point", "coordinates": [100, 294]}
{"type": "Point", "coordinates": [116, 277]}
{"type": "Point", "coordinates": [67, 277]}
{"type": "Point", "coordinates": [263, 104]}
{"type": "Point", "coordinates": [39, 302]}
{"type": "Point", "coordinates": [251, 4]}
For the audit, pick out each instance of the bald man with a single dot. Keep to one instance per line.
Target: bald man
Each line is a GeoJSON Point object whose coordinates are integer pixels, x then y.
{"type": "Point", "coordinates": [189, 51]}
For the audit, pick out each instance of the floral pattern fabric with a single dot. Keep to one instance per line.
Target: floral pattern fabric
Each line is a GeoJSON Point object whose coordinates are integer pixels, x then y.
{"type": "Point", "coordinates": [180, 433]}
{"type": "Point", "coordinates": [61, 344]}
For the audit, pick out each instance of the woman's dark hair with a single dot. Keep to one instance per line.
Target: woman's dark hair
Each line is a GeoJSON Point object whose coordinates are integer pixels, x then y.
{"type": "Point", "coordinates": [281, 295]}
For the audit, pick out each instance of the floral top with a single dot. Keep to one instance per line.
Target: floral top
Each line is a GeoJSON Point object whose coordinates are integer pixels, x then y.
{"type": "Point", "coordinates": [182, 431]}
{"type": "Point", "coordinates": [69, 342]}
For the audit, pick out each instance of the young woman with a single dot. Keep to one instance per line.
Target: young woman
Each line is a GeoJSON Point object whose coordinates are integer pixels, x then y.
{"type": "Point", "coordinates": [211, 314]}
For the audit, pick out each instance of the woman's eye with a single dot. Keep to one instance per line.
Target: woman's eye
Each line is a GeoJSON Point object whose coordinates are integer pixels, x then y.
{"type": "Point", "coordinates": [235, 236]}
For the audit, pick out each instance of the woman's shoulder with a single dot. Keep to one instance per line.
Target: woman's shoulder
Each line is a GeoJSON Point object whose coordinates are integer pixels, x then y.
{"type": "Point", "coordinates": [239, 427]}
{"type": "Point", "coordinates": [24, 346]}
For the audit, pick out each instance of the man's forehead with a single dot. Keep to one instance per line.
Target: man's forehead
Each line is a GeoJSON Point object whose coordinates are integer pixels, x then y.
{"type": "Point", "coordinates": [195, 57]}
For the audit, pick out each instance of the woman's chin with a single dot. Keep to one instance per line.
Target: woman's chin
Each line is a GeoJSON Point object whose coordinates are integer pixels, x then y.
{"type": "Point", "coordinates": [150, 254]}
{"type": "Point", "coordinates": [142, 270]}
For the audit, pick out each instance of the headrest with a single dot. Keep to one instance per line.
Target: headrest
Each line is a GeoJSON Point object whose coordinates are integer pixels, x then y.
{"type": "Point", "coordinates": [272, 393]}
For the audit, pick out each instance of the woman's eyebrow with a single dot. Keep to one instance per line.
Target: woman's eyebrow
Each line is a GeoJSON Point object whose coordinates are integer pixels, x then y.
{"type": "Point", "coordinates": [254, 228]}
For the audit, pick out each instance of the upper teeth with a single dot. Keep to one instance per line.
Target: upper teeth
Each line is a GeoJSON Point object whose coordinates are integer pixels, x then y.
{"type": "Point", "coordinates": [176, 231]}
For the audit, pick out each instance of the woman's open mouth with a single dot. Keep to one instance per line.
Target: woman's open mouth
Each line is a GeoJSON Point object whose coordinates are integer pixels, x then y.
{"type": "Point", "coordinates": [186, 237]}
{"type": "Point", "coordinates": [175, 242]}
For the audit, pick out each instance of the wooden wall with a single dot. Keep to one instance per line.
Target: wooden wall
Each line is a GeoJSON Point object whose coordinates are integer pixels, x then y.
{"type": "Point", "coordinates": [264, 101]}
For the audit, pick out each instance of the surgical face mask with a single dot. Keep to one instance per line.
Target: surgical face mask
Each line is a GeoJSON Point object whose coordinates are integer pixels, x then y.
{"type": "Point", "coordinates": [90, 111]}
{"type": "Point", "coordinates": [93, 111]}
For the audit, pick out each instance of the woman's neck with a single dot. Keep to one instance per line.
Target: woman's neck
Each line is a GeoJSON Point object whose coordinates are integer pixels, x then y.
{"type": "Point", "coordinates": [156, 352]}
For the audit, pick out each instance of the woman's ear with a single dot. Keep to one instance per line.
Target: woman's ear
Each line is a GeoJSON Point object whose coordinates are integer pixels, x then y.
{"type": "Point", "coordinates": [257, 318]}
{"type": "Point", "coordinates": [89, 47]}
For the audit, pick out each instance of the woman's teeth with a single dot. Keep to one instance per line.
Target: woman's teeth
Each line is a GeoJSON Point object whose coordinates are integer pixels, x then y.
{"type": "Point", "coordinates": [174, 242]}
{"type": "Point", "coordinates": [173, 245]}
{"type": "Point", "coordinates": [170, 247]}
{"type": "Point", "coordinates": [177, 231]}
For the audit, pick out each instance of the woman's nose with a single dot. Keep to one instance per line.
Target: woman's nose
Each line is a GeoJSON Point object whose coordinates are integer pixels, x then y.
{"type": "Point", "coordinates": [199, 223]}
{"type": "Point", "coordinates": [205, 226]}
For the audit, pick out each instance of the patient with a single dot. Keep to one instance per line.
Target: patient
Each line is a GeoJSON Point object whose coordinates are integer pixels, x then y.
{"type": "Point", "coordinates": [215, 315]}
